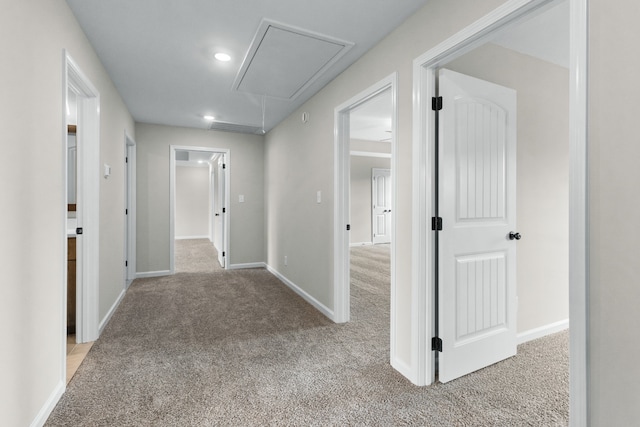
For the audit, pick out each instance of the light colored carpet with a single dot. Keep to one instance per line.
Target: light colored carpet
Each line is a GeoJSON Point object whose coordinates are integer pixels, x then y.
{"type": "Point", "coordinates": [238, 348]}
{"type": "Point", "coordinates": [196, 256]}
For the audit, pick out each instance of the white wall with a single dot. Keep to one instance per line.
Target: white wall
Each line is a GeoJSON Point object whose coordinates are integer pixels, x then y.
{"type": "Point", "coordinates": [246, 164]}
{"type": "Point", "coordinates": [299, 161]}
{"type": "Point", "coordinates": [542, 177]}
{"type": "Point", "coordinates": [361, 196]}
{"type": "Point", "coordinates": [614, 207]}
{"type": "Point", "coordinates": [32, 37]}
{"type": "Point", "coordinates": [192, 202]}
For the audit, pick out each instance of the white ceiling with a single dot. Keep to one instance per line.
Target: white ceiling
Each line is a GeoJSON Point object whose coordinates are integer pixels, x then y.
{"type": "Point", "coordinates": [159, 54]}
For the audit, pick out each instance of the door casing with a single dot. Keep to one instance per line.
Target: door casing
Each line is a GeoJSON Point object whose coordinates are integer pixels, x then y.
{"type": "Point", "coordinates": [424, 68]}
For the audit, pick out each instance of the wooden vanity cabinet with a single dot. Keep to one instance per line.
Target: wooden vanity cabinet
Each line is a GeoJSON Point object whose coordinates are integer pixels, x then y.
{"type": "Point", "coordinates": [71, 285]}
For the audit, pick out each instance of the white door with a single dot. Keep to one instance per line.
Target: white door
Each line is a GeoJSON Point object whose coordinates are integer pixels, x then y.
{"type": "Point", "coordinates": [381, 205]}
{"type": "Point", "coordinates": [477, 204]}
{"type": "Point", "coordinates": [221, 211]}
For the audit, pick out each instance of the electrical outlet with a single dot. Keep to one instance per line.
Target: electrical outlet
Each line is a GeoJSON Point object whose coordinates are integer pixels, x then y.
{"type": "Point", "coordinates": [241, 198]}
{"type": "Point", "coordinates": [319, 197]}
{"type": "Point", "coordinates": [286, 260]}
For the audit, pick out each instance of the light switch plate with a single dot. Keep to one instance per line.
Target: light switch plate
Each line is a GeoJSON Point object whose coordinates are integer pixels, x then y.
{"type": "Point", "coordinates": [107, 171]}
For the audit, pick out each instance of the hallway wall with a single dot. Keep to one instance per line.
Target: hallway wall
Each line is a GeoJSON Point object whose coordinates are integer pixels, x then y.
{"type": "Point", "coordinates": [33, 35]}
{"type": "Point", "coordinates": [246, 232]}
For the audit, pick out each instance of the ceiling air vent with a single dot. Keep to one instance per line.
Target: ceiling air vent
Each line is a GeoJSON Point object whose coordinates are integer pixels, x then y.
{"type": "Point", "coordinates": [234, 127]}
{"type": "Point", "coordinates": [283, 61]}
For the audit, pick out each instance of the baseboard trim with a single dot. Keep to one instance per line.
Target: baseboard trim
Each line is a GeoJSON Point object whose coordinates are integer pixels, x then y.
{"type": "Point", "coordinates": [153, 274]}
{"type": "Point", "coordinates": [360, 244]}
{"type": "Point", "coordinates": [49, 405]}
{"type": "Point", "coordinates": [192, 237]}
{"type": "Point", "coordinates": [112, 310]}
{"type": "Point", "coordinates": [542, 331]}
{"type": "Point", "coordinates": [308, 298]}
{"type": "Point", "coordinates": [247, 265]}
{"type": "Point", "coordinates": [404, 369]}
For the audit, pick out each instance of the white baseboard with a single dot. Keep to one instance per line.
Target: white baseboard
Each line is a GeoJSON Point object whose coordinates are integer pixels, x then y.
{"type": "Point", "coordinates": [192, 237]}
{"type": "Point", "coordinates": [361, 244]}
{"type": "Point", "coordinates": [295, 288]}
{"type": "Point", "coordinates": [404, 369]}
{"type": "Point", "coordinates": [542, 331]}
{"type": "Point", "coordinates": [160, 273]}
{"type": "Point", "coordinates": [112, 310]}
{"type": "Point", "coordinates": [247, 265]}
{"type": "Point", "coordinates": [49, 405]}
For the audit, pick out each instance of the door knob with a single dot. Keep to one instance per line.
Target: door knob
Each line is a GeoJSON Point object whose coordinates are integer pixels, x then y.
{"type": "Point", "coordinates": [514, 236]}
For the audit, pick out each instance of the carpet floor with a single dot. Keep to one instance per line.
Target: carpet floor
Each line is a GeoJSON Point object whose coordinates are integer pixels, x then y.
{"type": "Point", "coordinates": [238, 348]}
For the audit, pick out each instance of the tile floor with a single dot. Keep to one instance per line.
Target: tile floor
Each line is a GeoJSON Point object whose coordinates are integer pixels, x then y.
{"type": "Point", "coordinates": [75, 355]}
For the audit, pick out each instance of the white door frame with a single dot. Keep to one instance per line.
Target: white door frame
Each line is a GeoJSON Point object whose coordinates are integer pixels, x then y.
{"type": "Point", "coordinates": [341, 275]}
{"type": "Point", "coordinates": [88, 200]}
{"type": "Point", "coordinates": [130, 205]}
{"type": "Point", "coordinates": [172, 199]}
{"type": "Point", "coordinates": [424, 68]}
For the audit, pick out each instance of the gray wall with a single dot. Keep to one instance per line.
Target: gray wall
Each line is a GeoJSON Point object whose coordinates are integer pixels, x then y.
{"type": "Point", "coordinates": [192, 202]}
{"type": "Point", "coordinates": [361, 196]}
{"type": "Point", "coordinates": [32, 221]}
{"type": "Point", "coordinates": [246, 165]}
{"type": "Point", "coordinates": [614, 206]}
{"type": "Point", "coordinates": [542, 177]}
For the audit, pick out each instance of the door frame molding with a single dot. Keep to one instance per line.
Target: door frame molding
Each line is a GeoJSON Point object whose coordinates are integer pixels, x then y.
{"type": "Point", "coordinates": [172, 199]}
{"type": "Point", "coordinates": [88, 200]}
{"type": "Point", "coordinates": [424, 68]}
{"type": "Point", "coordinates": [130, 203]}
{"type": "Point", "coordinates": [341, 268]}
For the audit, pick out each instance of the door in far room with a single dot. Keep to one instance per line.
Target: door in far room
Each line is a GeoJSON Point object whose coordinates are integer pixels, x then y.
{"type": "Point", "coordinates": [221, 210]}
{"type": "Point", "coordinates": [381, 205]}
{"type": "Point", "coordinates": [477, 301]}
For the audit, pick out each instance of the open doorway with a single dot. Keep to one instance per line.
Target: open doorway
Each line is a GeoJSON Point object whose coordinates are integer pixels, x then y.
{"type": "Point", "coordinates": [426, 69]}
{"type": "Point", "coordinates": [371, 204]}
{"type": "Point", "coordinates": [81, 148]}
{"type": "Point", "coordinates": [199, 200]}
{"type": "Point", "coordinates": [371, 145]}
{"type": "Point", "coordinates": [130, 209]}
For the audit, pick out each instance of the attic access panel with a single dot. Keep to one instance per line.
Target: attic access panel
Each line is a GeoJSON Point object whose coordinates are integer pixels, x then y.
{"type": "Point", "coordinates": [283, 61]}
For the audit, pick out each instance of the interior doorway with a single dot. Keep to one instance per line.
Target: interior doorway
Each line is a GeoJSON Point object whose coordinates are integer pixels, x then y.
{"type": "Point", "coordinates": [82, 106]}
{"type": "Point", "coordinates": [359, 145]}
{"type": "Point", "coordinates": [130, 209]}
{"type": "Point", "coordinates": [425, 68]}
{"type": "Point", "coordinates": [207, 215]}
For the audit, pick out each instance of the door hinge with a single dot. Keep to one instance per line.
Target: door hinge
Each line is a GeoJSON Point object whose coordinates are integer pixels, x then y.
{"type": "Point", "coordinates": [436, 344]}
{"type": "Point", "coordinates": [79, 230]}
{"type": "Point", "coordinates": [436, 103]}
{"type": "Point", "coordinates": [348, 227]}
{"type": "Point", "coordinates": [224, 166]}
{"type": "Point", "coordinates": [224, 210]}
{"type": "Point", "coordinates": [126, 263]}
{"type": "Point", "coordinates": [224, 253]}
{"type": "Point", "coordinates": [436, 223]}
{"type": "Point", "coordinates": [126, 160]}
{"type": "Point", "coordinates": [126, 211]}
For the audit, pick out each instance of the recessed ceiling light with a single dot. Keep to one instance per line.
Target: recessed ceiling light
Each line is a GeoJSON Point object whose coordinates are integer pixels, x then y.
{"type": "Point", "coordinates": [222, 57]}
{"type": "Point", "coordinates": [209, 118]}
